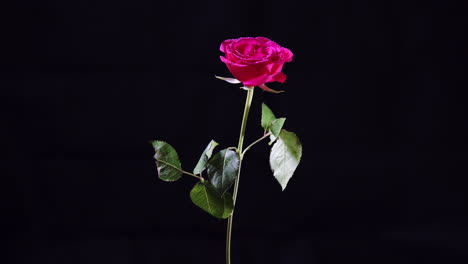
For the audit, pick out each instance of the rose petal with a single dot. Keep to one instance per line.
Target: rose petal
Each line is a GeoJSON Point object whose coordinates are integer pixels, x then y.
{"type": "Point", "coordinates": [263, 39]}
{"type": "Point", "coordinates": [287, 55]}
{"type": "Point", "coordinates": [279, 77]}
{"type": "Point", "coordinates": [256, 81]}
{"type": "Point", "coordinates": [225, 44]}
{"type": "Point", "coordinates": [228, 62]}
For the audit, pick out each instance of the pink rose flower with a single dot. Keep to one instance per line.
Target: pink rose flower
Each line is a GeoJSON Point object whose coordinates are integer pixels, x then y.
{"type": "Point", "coordinates": [255, 61]}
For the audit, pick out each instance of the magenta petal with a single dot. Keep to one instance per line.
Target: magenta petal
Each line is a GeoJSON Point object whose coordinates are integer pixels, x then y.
{"type": "Point", "coordinates": [256, 81]}
{"type": "Point", "coordinates": [279, 77]}
{"type": "Point", "coordinates": [223, 59]}
{"type": "Point", "coordinates": [263, 39]}
{"type": "Point", "coordinates": [228, 62]}
{"type": "Point", "coordinates": [224, 44]}
{"type": "Point", "coordinates": [287, 55]}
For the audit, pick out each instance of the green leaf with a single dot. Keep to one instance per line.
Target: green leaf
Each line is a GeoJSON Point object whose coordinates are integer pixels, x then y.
{"type": "Point", "coordinates": [205, 196]}
{"type": "Point", "coordinates": [228, 205]}
{"type": "Point", "coordinates": [267, 117]}
{"type": "Point", "coordinates": [223, 168]}
{"type": "Point", "coordinates": [285, 156]}
{"type": "Point", "coordinates": [167, 161]}
{"type": "Point", "coordinates": [275, 129]}
{"type": "Point", "coordinates": [205, 156]}
{"type": "Point", "coordinates": [276, 126]}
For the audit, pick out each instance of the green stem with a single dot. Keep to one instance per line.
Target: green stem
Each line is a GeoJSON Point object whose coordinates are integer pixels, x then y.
{"type": "Point", "coordinates": [248, 103]}
{"type": "Point", "coordinates": [255, 142]}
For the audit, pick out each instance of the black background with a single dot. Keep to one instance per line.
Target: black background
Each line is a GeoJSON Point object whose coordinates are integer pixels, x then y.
{"type": "Point", "coordinates": [374, 92]}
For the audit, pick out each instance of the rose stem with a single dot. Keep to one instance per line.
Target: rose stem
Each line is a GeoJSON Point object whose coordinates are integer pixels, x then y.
{"type": "Point", "coordinates": [248, 102]}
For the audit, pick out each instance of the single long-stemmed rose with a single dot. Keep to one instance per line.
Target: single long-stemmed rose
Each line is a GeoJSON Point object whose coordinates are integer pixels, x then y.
{"type": "Point", "coordinates": [253, 62]}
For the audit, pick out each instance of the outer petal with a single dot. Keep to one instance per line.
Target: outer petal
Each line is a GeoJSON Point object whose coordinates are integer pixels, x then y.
{"type": "Point", "coordinates": [286, 55]}
{"type": "Point", "coordinates": [263, 39]}
{"type": "Point", "coordinates": [244, 73]}
{"type": "Point", "coordinates": [224, 45]}
{"type": "Point", "coordinates": [256, 81]}
{"type": "Point", "coordinates": [274, 68]}
{"type": "Point", "coordinates": [279, 77]}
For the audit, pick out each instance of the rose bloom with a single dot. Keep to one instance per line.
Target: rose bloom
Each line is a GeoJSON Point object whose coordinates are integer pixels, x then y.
{"type": "Point", "coordinates": [255, 61]}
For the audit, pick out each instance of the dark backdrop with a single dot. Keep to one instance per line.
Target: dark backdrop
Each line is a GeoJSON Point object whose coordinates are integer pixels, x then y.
{"type": "Point", "coordinates": [372, 93]}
